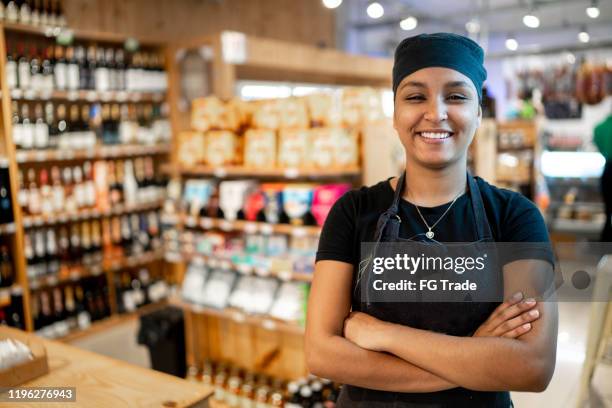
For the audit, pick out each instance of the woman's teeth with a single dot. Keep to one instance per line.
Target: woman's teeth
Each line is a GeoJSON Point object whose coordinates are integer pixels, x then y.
{"type": "Point", "coordinates": [435, 135]}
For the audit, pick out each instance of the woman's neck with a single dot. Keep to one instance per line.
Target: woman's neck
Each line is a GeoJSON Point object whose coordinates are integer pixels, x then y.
{"type": "Point", "coordinates": [432, 187]}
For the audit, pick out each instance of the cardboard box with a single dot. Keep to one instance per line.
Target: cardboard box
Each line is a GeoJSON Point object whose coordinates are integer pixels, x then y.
{"type": "Point", "coordinates": [29, 370]}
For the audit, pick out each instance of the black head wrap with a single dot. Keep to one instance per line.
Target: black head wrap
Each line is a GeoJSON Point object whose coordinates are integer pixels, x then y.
{"type": "Point", "coordinates": [439, 50]}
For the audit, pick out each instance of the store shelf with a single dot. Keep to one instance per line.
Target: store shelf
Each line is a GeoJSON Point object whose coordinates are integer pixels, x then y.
{"type": "Point", "coordinates": [6, 229]}
{"type": "Point", "coordinates": [87, 96]}
{"type": "Point", "coordinates": [100, 152]}
{"type": "Point", "coordinates": [48, 31]}
{"type": "Point", "coordinates": [513, 182]}
{"type": "Point", "coordinates": [250, 227]}
{"type": "Point", "coordinates": [511, 149]}
{"type": "Point", "coordinates": [577, 226]}
{"type": "Point", "coordinates": [264, 322]}
{"type": "Point", "coordinates": [97, 269]}
{"type": "Point", "coordinates": [112, 321]}
{"type": "Point", "coordinates": [119, 209]}
{"type": "Point", "coordinates": [244, 269]}
{"type": "Point", "coordinates": [241, 171]}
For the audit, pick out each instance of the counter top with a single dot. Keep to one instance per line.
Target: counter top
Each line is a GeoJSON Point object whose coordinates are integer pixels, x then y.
{"type": "Point", "coordinates": [104, 382]}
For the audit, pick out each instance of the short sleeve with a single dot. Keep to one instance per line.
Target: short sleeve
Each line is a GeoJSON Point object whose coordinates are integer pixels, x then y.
{"type": "Point", "coordinates": [524, 223]}
{"type": "Point", "coordinates": [337, 239]}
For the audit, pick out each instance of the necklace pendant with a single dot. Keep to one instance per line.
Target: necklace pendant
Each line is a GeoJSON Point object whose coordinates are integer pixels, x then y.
{"type": "Point", "coordinates": [429, 234]}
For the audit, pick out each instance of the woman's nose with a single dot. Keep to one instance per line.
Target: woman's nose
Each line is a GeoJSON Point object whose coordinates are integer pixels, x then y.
{"type": "Point", "coordinates": [436, 111]}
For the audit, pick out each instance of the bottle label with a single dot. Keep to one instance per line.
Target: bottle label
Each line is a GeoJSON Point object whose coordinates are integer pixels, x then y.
{"type": "Point", "coordinates": [72, 76]}
{"type": "Point", "coordinates": [41, 135]}
{"type": "Point", "coordinates": [11, 74]}
{"type": "Point", "coordinates": [102, 82]}
{"type": "Point", "coordinates": [61, 76]}
{"type": "Point", "coordinates": [17, 134]}
{"type": "Point", "coordinates": [27, 136]}
{"type": "Point", "coordinates": [24, 75]}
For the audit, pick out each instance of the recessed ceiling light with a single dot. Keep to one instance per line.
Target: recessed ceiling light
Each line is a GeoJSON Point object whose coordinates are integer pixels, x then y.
{"type": "Point", "coordinates": [531, 20]}
{"type": "Point", "coordinates": [511, 44]}
{"type": "Point", "coordinates": [592, 11]}
{"type": "Point", "coordinates": [409, 23]}
{"type": "Point", "coordinates": [375, 10]}
{"type": "Point", "coordinates": [332, 4]}
{"type": "Point", "coordinates": [473, 26]}
{"type": "Point", "coordinates": [584, 36]}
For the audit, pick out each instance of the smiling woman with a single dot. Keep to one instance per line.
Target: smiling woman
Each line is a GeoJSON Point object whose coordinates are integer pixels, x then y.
{"type": "Point", "coordinates": [432, 354]}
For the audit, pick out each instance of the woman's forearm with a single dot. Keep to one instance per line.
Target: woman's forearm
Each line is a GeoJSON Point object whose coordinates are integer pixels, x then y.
{"type": "Point", "coordinates": [340, 360]}
{"type": "Point", "coordinates": [477, 363]}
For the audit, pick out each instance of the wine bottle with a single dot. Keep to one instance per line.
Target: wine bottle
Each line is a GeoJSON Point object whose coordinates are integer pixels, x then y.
{"type": "Point", "coordinates": [23, 68]}
{"type": "Point", "coordinates": [70, 308]}
{"type": "Point", "coordinates": [73, 71]}
{"type": "Point", "coordinates": [40, 252]}
{"type": "Point", "coordinates": [46, 194]}
{"type": "Point", "coordinates": [36, 76]}
{"type": "Point", "coordinates": [25, 13]}
{"type": "Point", "coordinates": [47, 67]}
{"type": "Point", "coordinates": [34, 207]}
{"type": "Point", "coordinates": [11, 70]}
{"type": "Point", "coordinates": [53, 264]}
{"type": "Point", "coordinates": [7, 274]}
{"type": "Point", "coordinates": [41, 129]}
{"type": "Point", "coordinates": [61, 70]}
{"type": "Point", "coordinates": [101, 71]}
{"type": "Point", "coordinates": [91, 67]}
{"type": "Point", "coordinates": [52, 129]}
{"type": "Point", "coordinates": [27, 128]}
{"type": "Point", "coordinates": [6, 208]}
{"type": "Point", "coordinates": [11, 11]}
{"type": "Point", "coordinates": [16, 310]}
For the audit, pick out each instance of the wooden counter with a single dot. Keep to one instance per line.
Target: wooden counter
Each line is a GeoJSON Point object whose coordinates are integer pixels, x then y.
{"type": "Point", "coordinates": [104, 382]}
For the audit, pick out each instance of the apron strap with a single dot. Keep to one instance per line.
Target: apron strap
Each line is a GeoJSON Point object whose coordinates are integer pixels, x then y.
{"type": "Point", "coordinates": [389, 220]}
{"type": "Point", "coordinates": [483, 229]}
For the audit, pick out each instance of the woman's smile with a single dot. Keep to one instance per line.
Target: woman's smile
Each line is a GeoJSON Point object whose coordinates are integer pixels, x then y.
{"type": "Point", "coordinates": [434, 136]}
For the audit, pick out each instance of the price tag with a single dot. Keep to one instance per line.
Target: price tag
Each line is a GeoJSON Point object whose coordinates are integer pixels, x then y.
{"type": "Point", "coordinates": [250, 227]}
{"type": "Point", "coordinates": [39, 222]}
{"type": "Point", "coordinates": [16, 93]}
{"type": "Point", "coordinates": [29, 94]}
{"type": "Point", "coordinates": [292, 173]}
{"type": "Point", "coordinates": [27, 222]}
{"type": "Point", "coordinates": [72, 95]}
{"type": "Point", "coordinates": [206, 223]}
{"type": "Point", "coordinates": [45, 95]}
{"type": "Point", "coordinates": [269, 324]}
{"type": "Point", "coordinates": [226, 225]}
{"type": "Point", "coordinates": [106, 96]}
{"type": "Point", "coordinates": [238, 317]}
{"type": "Point", "coordinates": [62, 218]}
{"type": "Point", "coordinates": [220, 172]}
{"type": "Point", "coordinates": [41, 156]}
{"type": "Point", "coordinates": [298, 232]}
{"type": "Point", "coordinates": [135, 96]}
{"type": "Point", "coordinates": [21, 157]}
{"type": "Point", "coordinates": [191, 221]}
{"type": "Point", "coordinates": [266, 229]}
{"type": "Point", "coordinates": [121, 96]}
{"type": "Point", "coordinates": [69, 154]}
{"type": "Point", "coordinates": [285, 275]}
{"type": "Point", "coordinates": [91, 96]}
{"type": "Point", "coordinates": [52, 280]}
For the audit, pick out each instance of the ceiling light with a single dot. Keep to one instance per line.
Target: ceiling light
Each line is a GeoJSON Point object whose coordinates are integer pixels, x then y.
{"type": "Point", "coordinates": [584, 36]}
{"type": "Point", "coordinates": [408, 23]}
{"type": "Point", "coordinates": [531, 20]}
{"type": "Point", "coordinates": [511, 44]}
{"type": "Point", "coordinates": [375, 10]}
{"type": "Point", "coordinates": [570, 58]}
{"type": "Point", "coordinates": [332, 4]}
{"type": "Point", "coordinates": [592, 11]}
{"type": "Point", "coordinates": [473, 26]}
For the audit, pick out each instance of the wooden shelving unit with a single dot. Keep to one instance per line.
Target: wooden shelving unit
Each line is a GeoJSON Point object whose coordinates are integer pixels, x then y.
{"type": "Point", "coordinates": [98, 152]}
{"type": "Point", "coordinates": [228, 335]}
{"type": "Point", "coordinates": [37, 157]}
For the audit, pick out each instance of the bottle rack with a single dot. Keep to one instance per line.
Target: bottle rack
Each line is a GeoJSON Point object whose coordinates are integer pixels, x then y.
{"type": "Point", "coordinates": [34, 158]}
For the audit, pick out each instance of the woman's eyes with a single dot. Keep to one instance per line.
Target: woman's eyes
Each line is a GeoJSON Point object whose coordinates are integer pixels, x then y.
{"type": "Point", "coordinates": [452, 97]}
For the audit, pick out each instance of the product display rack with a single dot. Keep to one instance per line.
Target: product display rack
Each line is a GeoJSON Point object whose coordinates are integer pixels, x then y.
{"type": "Point", "coordinates": [255, 342]}
{"type": "Point", "coordinates": [21, 157]}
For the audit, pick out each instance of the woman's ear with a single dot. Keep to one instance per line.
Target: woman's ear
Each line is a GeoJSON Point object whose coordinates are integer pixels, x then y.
{"type": "Point", "coordinates": [479, 114]}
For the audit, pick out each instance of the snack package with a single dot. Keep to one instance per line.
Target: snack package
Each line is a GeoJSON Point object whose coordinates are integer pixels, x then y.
{"type": "Point", "coordinates": [196, 194]}
{"type": "Point", "coordinates": [232, 195]}
{"type": "Point", "coordinates": [324, 198]}
{"type": "Point", "coordinates": [218, 287]}
{"type": "Point", "coordinates": [289, 302]}
{"type": "Point", "coordinates": [194, 283]}
{"type": "Point", "coordinates": [293, 148]}
{"type": "Point", "coordinates": [322, 147]}
{"type": "Point", "coordinates": [273, 201]}
{"type": "Point", "coordinates": [191, 148]}
{"type": "Point", "coordinates": [266, 115]}
{"type": "Point", "coordinates": [253, 204]}
{"type": "Point", "coordinates": [254, 294]}
{"type": "Point", "coordinates": [324, 109]}
{"type": "Point", "coordinates": [360, 105]}
{"type": "Point", "coordinates": [297, 199]}
{"type": "Point", "coordinates": [210, 113]}
{"type": "Point", "coordinates": [221, 148]}
{"type": "Point", "coordinates": [260, 148]}
{"type": "Point", "coordinates": [293, 113]}
{"type": "Point", "coordinates": [345, 147]}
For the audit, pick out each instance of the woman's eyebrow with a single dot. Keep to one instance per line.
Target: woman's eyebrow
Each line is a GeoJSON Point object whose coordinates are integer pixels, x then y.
{"type": "Point", "coordinates": [413, 83]}
{"type": "Point", "coordinates": [456, 84]}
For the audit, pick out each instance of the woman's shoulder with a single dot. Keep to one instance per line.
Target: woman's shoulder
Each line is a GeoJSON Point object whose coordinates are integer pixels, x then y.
{"type": "Point", "coordinates": [502, 198]}
{"type": "Point", "coordinates": [366, 198]}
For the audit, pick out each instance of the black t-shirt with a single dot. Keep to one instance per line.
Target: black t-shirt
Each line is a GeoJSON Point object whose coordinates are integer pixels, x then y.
{"type": "Point", "coordinates": [352, 220]}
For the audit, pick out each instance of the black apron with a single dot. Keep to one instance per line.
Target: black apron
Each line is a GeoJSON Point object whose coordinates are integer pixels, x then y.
{"type": "Point", "coordinates": [453, 318]}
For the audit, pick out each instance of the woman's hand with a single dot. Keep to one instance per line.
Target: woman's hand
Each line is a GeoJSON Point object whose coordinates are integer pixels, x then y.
{"type": "Point", "coordinates": [511, 319]}
{"type": "Point", "coordinates": [365, 331]}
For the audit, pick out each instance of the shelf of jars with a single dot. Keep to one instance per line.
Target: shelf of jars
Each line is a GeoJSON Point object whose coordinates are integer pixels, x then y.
{"type": "Point", "coordinates": [97, 152]}
{"type": "Point", "coordinates": [96, 269]}
{"type": "Point", "coordinates": [238, 316]}
{"type": "Point", "coordinates": [85, 214]}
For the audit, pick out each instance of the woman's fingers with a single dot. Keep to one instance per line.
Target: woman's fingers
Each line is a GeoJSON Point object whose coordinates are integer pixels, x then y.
{"type": "Point", "coordinates": [519, 331]}
{"type": "Point", "coordinates": [512, 324]}
{"type": "Point", "coordinates": [512, 311]}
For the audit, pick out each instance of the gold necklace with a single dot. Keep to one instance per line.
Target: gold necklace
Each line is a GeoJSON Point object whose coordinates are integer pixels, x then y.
{"type": "Point", "coordinates": [430, 234]}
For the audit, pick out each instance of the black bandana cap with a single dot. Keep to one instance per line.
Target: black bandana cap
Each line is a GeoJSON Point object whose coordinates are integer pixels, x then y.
{"type": "Point", "coordinates": [439, 50]}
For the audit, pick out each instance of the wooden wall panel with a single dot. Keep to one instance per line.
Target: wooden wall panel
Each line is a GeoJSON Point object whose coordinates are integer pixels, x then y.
{"type": "Point", "coordinates": [302, 21]}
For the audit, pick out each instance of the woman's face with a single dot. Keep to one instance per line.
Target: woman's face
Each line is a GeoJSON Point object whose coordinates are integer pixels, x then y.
{"type": "Point", "coordinates": [436, 115]}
